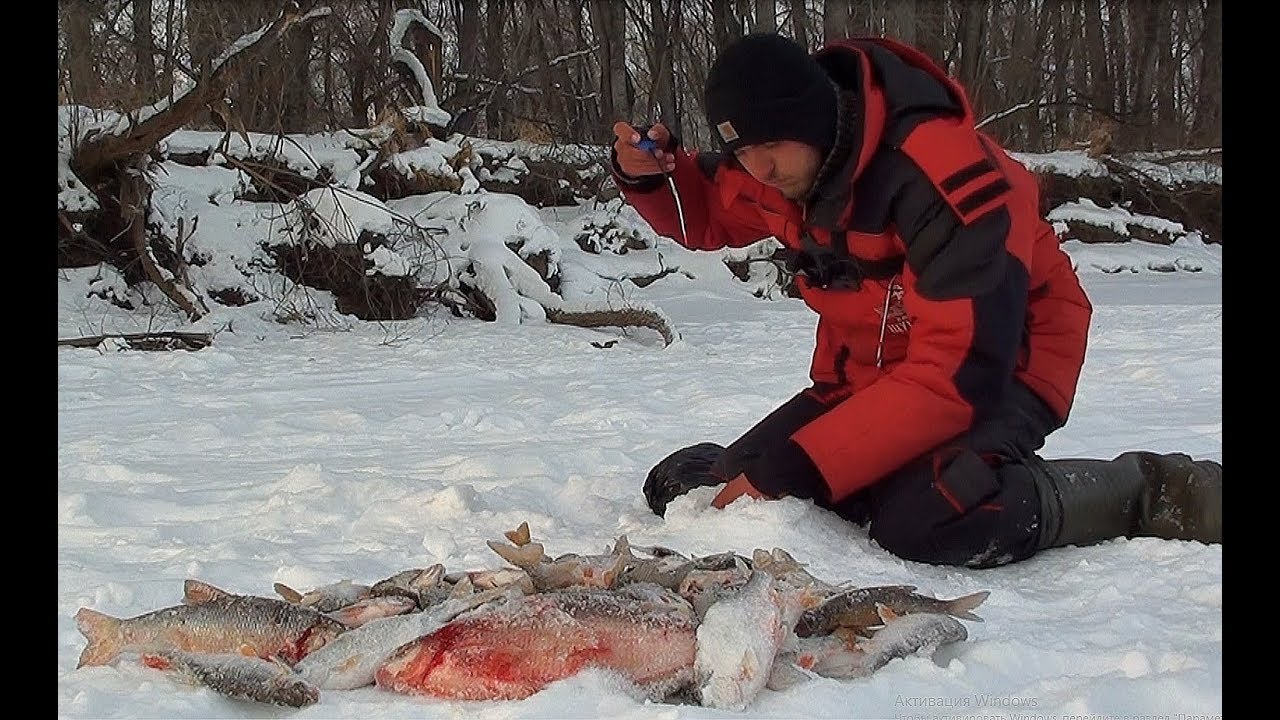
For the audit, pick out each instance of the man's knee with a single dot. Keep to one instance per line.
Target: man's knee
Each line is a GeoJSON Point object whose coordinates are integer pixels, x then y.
{"type": "Point", "coordinates": [927, 545]}
{"type": "Point", "coordinates": [949, 510]}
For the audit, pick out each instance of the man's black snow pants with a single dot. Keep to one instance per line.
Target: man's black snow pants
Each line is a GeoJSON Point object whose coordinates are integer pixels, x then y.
{"type": "Point", "coordinates": [971, 501]}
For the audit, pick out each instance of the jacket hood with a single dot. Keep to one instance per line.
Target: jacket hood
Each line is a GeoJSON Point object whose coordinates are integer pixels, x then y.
{"type": "Point", "coordinates": [885, 89]}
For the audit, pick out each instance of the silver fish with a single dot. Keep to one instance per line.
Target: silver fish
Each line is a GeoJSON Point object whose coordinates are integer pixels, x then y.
{"type": "Point", "coordinates": [223, 623]}
{"type": "Point", "coordinates": [372, 608]}
{"type": "Point", "coordinates": [326, 598]}
{"type": "Point", "coordinates": [737, 641]}
{"type": "Point", "coordinates": [845, 654]}
{"type": "Point", "coordinates": [351, 660]}
{"type": "Point", "coordinates": [238, 676]}
{"type": "Point", "coordinates": [418, 584]}
{"type": "Point", "coordinates": [857, 608]}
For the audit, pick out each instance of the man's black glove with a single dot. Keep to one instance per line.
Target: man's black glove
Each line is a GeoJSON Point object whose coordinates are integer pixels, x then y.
{"type": "Point", "coordinates": [680, 472]}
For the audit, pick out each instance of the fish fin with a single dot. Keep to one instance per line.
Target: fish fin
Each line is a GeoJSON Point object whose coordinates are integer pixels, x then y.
{"type": "Point", "coordinates": [886, 613]}
{"type": "Point", "coordinates": [196, 592]}
{"type": "Point", "coordinates": [105, 636]}
{"type": "Point", "coordinates": [287, 593]}
{"type": "Point", "coordinates": [524, 557]}
{"type": "Point", "coordinates": [622, 547]}
{"type": "Point", "coordinates": [519, 536]}
{"type": "Point", "coordinates": [462, 588]}
{"type": "Point", "coordinates": [961, 606]}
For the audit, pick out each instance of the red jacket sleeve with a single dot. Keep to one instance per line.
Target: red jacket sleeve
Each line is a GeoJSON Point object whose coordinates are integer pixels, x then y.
{"type": "Point", "coordinates": [716, 215]}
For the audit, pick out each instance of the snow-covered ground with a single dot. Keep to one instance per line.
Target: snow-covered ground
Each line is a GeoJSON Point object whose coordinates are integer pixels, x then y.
{"type": "Point", "coordinates": [307, 455]}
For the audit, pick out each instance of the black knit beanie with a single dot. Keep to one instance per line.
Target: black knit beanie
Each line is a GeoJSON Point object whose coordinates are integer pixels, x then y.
{"type": "Point", "coordinates": [765, 87]}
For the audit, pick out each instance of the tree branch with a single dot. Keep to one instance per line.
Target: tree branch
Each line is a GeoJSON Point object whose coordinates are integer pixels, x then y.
{"type": "Point", "coordinates": [139, 132]}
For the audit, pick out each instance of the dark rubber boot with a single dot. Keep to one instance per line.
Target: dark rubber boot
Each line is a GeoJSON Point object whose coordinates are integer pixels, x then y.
{"type": "Point", "coordinates": [1182, 499]}
{"type": "Point", "coordinates": [1137, 494]}
{"type": "Point", "coordinates": [1083, 502]}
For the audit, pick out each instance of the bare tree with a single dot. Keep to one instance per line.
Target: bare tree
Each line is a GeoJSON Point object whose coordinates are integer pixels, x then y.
{"type": "Point", "coordinates": [465, 96]}
{"type": "Point", "coordinates": [662, 49]}
{"type": "Point", "coordinates": [837, 17]}
{"type": "Point", "coordinates": [144, 55]}
{"type": "Point", "coordinates": [79, 52]}
{"type": "Point", "coordinates": [1168, 120]}
{"type": "Point", "coordinates": [1102, 89]}
{"type": "Point", "coordinates": [608, 29]}
{"type": "Point", "coordinates": [799, 22]}
{"type": "Point", "coordinates": [971, 69]}
{"type": "Point", "coordinates": [903, 21]}
{"type": "Point", "coordinates": [495, 63]}
{"type": "Point", "coordinates": [1041, 71]}
{"type": "Point", "coordinates": [1206, 126]}
{"type": "Point", "coordinates": [766, 12]}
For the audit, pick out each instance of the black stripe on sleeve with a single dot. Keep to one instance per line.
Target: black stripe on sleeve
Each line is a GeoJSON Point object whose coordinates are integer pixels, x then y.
{"type": "Point", "coordinates": [989, 192]}
{"type": "Point", "coordinates": [965, 174]}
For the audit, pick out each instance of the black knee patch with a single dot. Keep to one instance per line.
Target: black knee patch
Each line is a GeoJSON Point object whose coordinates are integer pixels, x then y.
{"type": "Point", "coordinates": [936, 516]}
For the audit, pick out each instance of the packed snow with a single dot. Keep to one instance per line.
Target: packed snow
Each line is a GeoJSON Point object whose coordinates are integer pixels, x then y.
{"type": "Point", "coordinates": [337, 449]}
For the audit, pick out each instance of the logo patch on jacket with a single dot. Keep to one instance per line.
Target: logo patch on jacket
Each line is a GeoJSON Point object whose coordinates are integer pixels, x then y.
{"type": "Point", "coordinates": [727, 132]}
{"type": "Point", "coordinates": [896, 321]}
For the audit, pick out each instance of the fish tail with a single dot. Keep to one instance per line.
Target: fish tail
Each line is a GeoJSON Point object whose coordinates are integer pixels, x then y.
{"type": "Point", "coordinates": [962, 607]}
{"type": "Point", "coordinates": [105, 635]}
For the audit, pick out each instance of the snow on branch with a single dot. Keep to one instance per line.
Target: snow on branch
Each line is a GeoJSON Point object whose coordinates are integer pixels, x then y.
{"type": "Point", "coordinates": [430, 111]}
{"type": "Point", "coordinates": [141, 130]}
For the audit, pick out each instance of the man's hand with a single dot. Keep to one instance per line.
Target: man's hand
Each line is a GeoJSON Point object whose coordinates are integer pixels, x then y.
{"type": "Point", "coordinates": [680, 472]}
{"type": "Point", "coordinates": [637, 163]}
{"type": "Point", "coordinates": [735, 489]}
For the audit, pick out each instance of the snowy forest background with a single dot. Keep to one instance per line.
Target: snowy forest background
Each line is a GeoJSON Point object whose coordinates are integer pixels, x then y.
{"type": "Point", "coordinates": [429, 180]}
{"type": "Point", "coordinates": [358, 134]}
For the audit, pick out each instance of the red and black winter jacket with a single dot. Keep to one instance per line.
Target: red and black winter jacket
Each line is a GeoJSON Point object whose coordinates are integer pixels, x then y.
{"type": "Point", "coordinates": [935, 278]}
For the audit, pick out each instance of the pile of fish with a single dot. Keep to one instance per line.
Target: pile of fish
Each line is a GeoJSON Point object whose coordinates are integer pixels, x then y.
{"type": "Point", "coordinates": [714, 630]}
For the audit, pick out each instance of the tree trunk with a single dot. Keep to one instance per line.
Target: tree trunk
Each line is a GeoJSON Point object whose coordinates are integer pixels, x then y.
{"type": "Point", "coordinates": [666, 26]}
{"type": "Point", "coordinates": [931, 30]}
{"type": "Point", "coordinates": [144, 53]}
{"type": "Point", "coordinates": [80, 56]}
{"type": "Point", "coordinates": [1169, 122]}
{"type": "Point", "coordinates": [1144, 73]}
{"type": "Point", "coordinates": [465, 96]}
{"type": "Point", "coordinates": [1101, 88]}
{"type": "Point", "coordinates": [171, 32]}
{"type": "Point", "coordinates": [619, 83]}
{"type": "Point", "coordinates": [1206, 130]}
{"type": "Point", "coordinates": [295, 113]}
{"type": "Point", "coordinates": [608, 24]}
{"type": "Point", "coordinates": [721, 25]}
{"type": "Point", "coordinates": [972, 68]}
{"type": "Point", "coordinates": [903, 21]}
{"type": "Point", "coordinates": [836, 20]}
{"type": "Point", "coordinates": [766, 16]}
{"type": "Point", "coordinates": [494, 65]}
{"type": "Point", "coordinates": [799, 23]}
{"type": "Point", "coordinates": [1029, 36]}
{"type": "Point", "coordinates": [1061, 53]}
{"type": "Point", "coordinates": [592, 120]}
